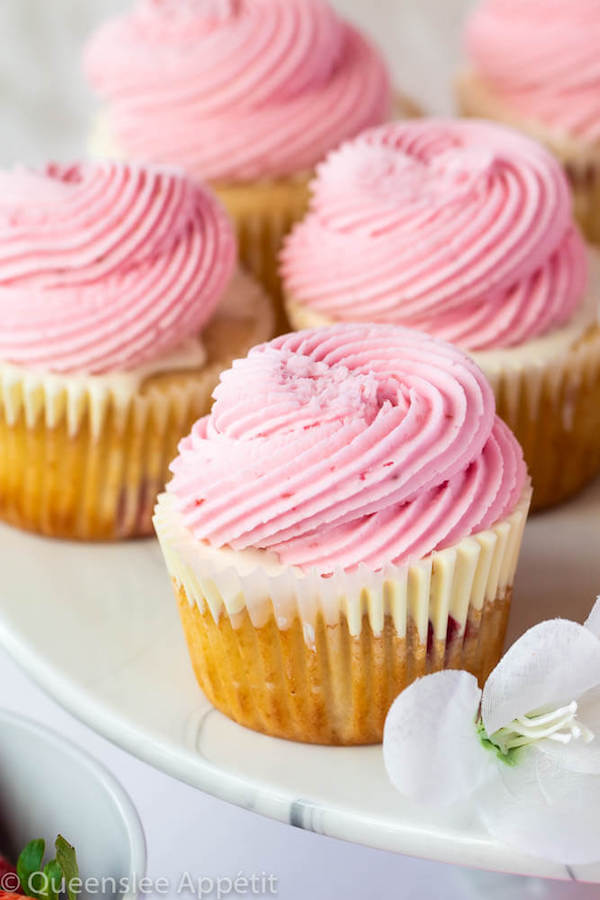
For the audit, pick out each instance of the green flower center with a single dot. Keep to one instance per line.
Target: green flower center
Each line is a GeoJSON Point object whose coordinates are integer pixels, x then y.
{"type": "Point", "coordinates": [559, 725]}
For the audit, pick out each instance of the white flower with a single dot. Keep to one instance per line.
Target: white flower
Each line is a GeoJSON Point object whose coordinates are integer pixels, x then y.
{"type": "Point", "coordinates": [526, 748]}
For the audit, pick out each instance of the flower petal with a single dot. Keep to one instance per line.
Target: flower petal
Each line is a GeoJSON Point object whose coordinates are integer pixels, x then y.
{"type": "Point", "coordinates": [579, 756]}
{"type": "Point", "coordinates": [551, 664]}
{"type": "Point", "coordinates": [431, 749]}
{"type": "Point", "coordinates": [542, 808]}
{"type": "Point", "coordinates": [593, 620]}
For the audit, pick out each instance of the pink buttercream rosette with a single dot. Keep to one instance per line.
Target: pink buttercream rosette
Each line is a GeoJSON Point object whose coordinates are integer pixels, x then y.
{"type": "Point", "coordinates": [462, 229]}
{"type": "Point", "coordinates": [540, 58]}
{"type": "Point", "coordinates": [352, 445]}
{"type": "Point", "coordinates": [236, 90]}
{"type": "Point", "coordinates": [106, 266]}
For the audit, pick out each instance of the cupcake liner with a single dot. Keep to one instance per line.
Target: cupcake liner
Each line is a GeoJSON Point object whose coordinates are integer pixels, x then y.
{"type": "Point", "coordinates": [87, 466]}
{"type": "Point", "coordinates": [300, 656]}
{"type": "Point", "coordinates": [404, 107]}
{"type": "Point", "coordinates": [84, 457]}
{"type": "Point", "coordinates": [553, 408]}
{"type": "Point", "coordinates": [302, 316]}
{"type": "Point", "coordinates": [581, 161]}
{"type": "Point", "coordinates": [262, 213]}
{"type": "Point", "coordinates": [584, 176]}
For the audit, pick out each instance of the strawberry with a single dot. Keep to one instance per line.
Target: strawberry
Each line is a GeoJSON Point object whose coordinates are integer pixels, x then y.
{"type": "Point", "coordinates": [9, 880]}
{"type": "Point", "coordinates": [6, 868]}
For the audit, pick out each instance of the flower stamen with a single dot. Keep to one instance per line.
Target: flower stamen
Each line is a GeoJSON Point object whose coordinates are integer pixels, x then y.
{"type": "Point", "coordinates": [559, 725]}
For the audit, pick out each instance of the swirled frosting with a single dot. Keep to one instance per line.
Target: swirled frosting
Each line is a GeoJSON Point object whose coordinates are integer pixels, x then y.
{"type": "Point", "coordinates": [236, 89]}
{"type": "Point", "coordinates": [345, 445]}
{"type": "Point", "coordinates": [542, 57]}
{"type": "Point", "coordinates": [106, 266]}
{"type": "Point", "coordinates": [459, 228]}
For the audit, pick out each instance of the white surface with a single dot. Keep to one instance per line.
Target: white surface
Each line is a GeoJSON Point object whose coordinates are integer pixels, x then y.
{"type": "Point", "coordinates": [188, 831]}
{"type": "Point", "coordinates": [72, 795]}
{"type": "Point", "coordinates": [97, 626]}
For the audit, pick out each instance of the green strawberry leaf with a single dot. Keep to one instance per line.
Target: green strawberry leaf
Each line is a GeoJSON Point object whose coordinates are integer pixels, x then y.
{"type": "Point", "coordinates": [67, 859]}
{"type": "Point", "coordinates": [29, 865]}
{"type": "Point", "coordinates": [47, 883]}
{"type": "Point", "coordinates": [54, 879]}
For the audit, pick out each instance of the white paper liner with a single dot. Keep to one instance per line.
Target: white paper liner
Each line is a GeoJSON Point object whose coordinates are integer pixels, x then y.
{"type": "Point", "coordinates": [53, 398]}
{"type": "Point", "coordinates": [477, 99]}
{"type": "Point", "coordinates": [519, 380]}
{"type": "Point", "coordinates": [547, 350]}
{"type": "Point", "coordinates": [448, 583]}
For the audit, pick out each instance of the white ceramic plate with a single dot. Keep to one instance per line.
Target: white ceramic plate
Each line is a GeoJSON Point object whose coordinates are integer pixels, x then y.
{"type": "Point", "coordinates": [48, 786]}
{"type": "Point", "coordinates": [97, 627]}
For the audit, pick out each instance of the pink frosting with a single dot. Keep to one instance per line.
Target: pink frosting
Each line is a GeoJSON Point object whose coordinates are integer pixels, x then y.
{"type": "Point", "coordinates": [346, 445]}
{"type": "Point", "coordinates": [106, 266]}
{"type": "Point", "coordinates": [236, 89]}
{"type": "Point", "coordinates": [543, 58]}
{"type": "Point", "coordinates": [459, 228]}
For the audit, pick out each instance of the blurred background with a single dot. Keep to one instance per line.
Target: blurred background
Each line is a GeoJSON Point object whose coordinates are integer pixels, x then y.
{"type": "Point", "coordinates": [45, 105]}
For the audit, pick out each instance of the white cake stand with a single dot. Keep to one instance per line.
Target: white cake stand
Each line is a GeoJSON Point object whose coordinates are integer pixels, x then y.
{"type": "Point", "coordinates": [97, 627]}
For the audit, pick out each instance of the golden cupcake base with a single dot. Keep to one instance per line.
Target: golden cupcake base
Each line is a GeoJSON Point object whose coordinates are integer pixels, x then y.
{"type": "Point", "coordinates": [339, 691]}
{"type": "Point", "coordinates": [581, 162]}
{"type": "Point", "coordinates": [584, 176]}
{"type": "Point", "coordinates": [262, 213]}
{"type": "Point", "coordinates": [320, 660]}
{"type": "Point", "coordinates": [97, 487]}
{"type": "Point", "coordinates": [554, 411]}
{"type": "Point", "coordinates": [90, 470]}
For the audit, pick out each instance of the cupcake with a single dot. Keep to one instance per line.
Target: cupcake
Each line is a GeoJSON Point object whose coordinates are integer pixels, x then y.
{"type": "Point", "coordinates": [247, 95]}
{"type": "Point", "coordinates": [464, 229]}
{"type": "Point", "coordinates": [347, 518]}
{"type": "Point", "coordinates": [534, 64]}
{"type": "Point", "coordinates": [119, 306]}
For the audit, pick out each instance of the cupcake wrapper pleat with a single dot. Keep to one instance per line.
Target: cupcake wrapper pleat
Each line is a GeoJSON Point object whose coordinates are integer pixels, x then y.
{"type": "Point", "coordinates": [321, 659]}
{"type": "Point", "coordinates": [263, 213]}
{"type": "Point", "coordinates": [554, 411]}
{"type": "Point", "coordinates": [584, 176]}
{"type": "Point", "coordinates": [339, 692]}
{"type": "Point", "coordinates": [90, 470]}
{"type": "Point", "coordinates": [85, 457]}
